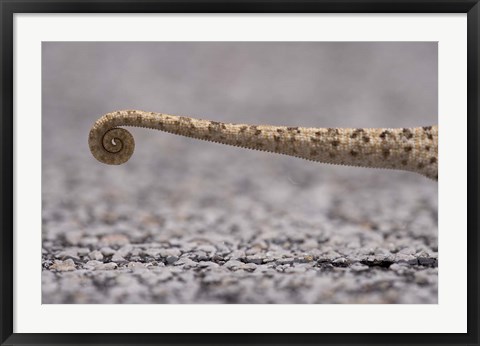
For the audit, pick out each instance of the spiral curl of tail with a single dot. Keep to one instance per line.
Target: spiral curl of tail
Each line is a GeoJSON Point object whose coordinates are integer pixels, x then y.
{"type": "Point", "coordinates": [112, 146]}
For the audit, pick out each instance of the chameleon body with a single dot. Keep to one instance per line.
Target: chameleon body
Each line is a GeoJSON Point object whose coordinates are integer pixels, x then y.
{"type": "Point", "coordinates": [410, 149]}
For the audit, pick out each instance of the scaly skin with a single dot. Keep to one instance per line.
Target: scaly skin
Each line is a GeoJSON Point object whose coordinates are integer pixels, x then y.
{"type": "Point", "coordinates": [409, 149]}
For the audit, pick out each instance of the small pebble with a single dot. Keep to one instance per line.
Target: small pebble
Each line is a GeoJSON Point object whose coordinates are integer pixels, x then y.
{"type": "Point", "coordinates": [359, 267]}
{"type": "Point", "coordinates": [107, 251]}
{"type": "Point", "coordinates": [106, 266]}
{"type": "Point", "coordinates": [207, 248]}
{"type": "Point", "coordinates": [118, 258]}
{"type": "Point", "coordinates": [136, 265]}
{"type": "Point", "coordinates": [68, 253]}
{"type": "Point", "coordinates": [124, 251]}
{"type": "Point", "coordinates": [63, 266]}
{"type": "Point", "coordinates": [250, 267]}
{"type": "Point", "coordinates": [201, 256]}
{"type": "Point", "coordinates": [410, 259]}
{"type": "Point", "coordinates": [174, 252]}
{"type": "Point", "coordinates": [233, 265]}
{"type": "Point", "coordinates": [83, 251]}
{"type": "Point", "coordinates": [207, 264]}
{"type": "Point", "coordinates": [92, 264]}
{"type": "Point", "coordinates": [426, 261]}
{"type": "Point", "coordinates": [286, 260]}
{"type": "Point", "coordinates": [256, 259]}
{"type": "Point", "coordinates": [171, 259]}
{"type": "Point", "coordinates": [96, 255]}
{"type": "Point", "coordinates": [114, 240]}
{"type": "Point", "coordinates": [187, 263]}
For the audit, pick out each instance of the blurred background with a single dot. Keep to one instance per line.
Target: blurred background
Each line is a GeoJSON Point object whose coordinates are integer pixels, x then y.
{"type": "Point", "coordinates": [187, 221]}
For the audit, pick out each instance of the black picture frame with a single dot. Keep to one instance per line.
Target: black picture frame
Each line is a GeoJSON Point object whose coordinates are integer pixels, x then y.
{"type": "Point", "coordinates": [10, 7]}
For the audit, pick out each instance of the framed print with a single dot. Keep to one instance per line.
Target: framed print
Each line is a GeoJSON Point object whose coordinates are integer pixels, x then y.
{"type": "Point", "coordinates": [144, 200]}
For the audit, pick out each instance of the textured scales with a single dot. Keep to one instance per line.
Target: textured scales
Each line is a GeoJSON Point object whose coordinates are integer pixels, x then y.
{"type": "Point", "coordinates": [409, 149]}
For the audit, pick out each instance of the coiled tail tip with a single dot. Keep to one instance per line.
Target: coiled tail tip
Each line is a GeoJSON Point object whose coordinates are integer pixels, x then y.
{"type": "Point", "coordinates": [113, 147]}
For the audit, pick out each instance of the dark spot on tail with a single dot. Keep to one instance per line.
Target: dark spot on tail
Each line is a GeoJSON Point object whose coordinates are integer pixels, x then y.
{"type": "Point", "coordinates": [293, 129]}
{"type": "Point", "coordinates": [384, 134]}
{"type": "Point", "coordinates": [407, 133]}
{"type": "Point", "coordinates": [215, 126]}
{"type": "Point", "coordinates": [356, 133]}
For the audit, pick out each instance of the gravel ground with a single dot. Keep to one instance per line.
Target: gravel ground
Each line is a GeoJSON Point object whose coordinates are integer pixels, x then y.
{"type": "Point", "coordinates": [194, 222]}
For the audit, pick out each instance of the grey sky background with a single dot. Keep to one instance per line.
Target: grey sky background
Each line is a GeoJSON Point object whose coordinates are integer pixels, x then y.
{"type": "Point", "coordinates": [356, 84]}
